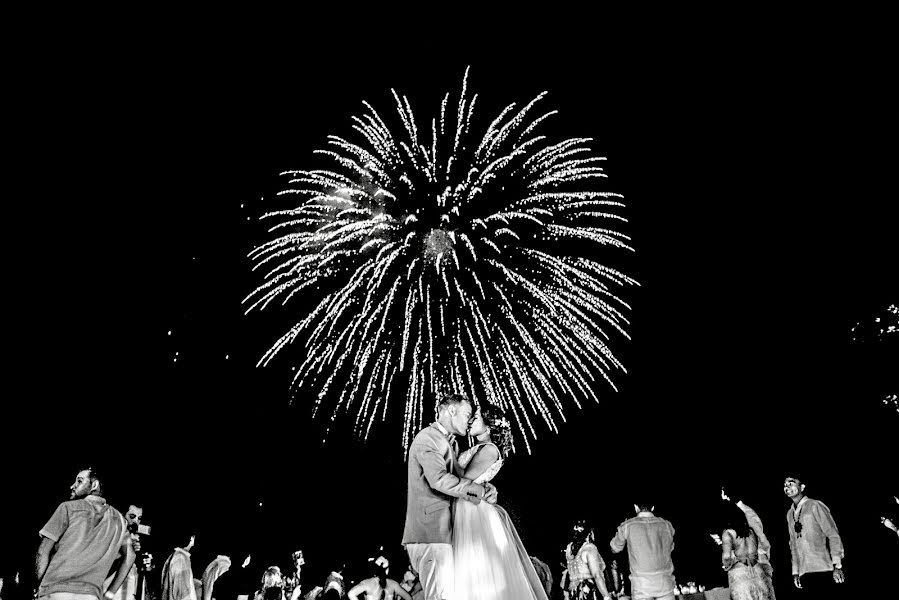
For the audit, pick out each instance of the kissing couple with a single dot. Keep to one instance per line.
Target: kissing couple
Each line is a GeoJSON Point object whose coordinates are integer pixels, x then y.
{"type": "Point", "coordinates": [460, 541]}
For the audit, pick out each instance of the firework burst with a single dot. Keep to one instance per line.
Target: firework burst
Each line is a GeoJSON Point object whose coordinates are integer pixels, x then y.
{"type": "Point", "coordinates": [457, 263]}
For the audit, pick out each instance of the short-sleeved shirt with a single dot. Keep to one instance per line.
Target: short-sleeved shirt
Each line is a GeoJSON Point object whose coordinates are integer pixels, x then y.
{"type": "Point", "coordinates": [88, 535]}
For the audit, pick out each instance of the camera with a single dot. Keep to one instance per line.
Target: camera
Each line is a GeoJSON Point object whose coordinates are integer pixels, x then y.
{"type": "Point", "coordinates": [138, 529]}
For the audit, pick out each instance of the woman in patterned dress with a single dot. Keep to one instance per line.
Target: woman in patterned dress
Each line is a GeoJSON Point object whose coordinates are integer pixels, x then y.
{"type": "Point", "coordinates": [740, 558]}
{"type": "Point", "coordinates": [586, 568]}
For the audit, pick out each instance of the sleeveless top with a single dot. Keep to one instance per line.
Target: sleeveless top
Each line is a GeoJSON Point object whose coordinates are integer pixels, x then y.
{"type": "Point", "coordinates": [745, 550]}
{"type": "Point", "coordinates": [578, 569]}
{"type": "Point", "coordinates": [491, 471]}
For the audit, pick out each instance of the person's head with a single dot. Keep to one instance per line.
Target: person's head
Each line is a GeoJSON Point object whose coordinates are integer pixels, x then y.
{"type": "Point", "coordinates": [298, 560]}
{"type": "Point", "coordinates": [643, 506]}
{"type": "Point", "coordinates": [581, 533]}
{"type": "Point", "coordinates": [334, 584]}
{"type": "Point", "coordinates": [730, 516]}
{"type": "Point", "coordinates": [491, 419]}
{"type": "Point", "coordinates": [794, 488]}
{"type": "Point", "coordinates": [134, 515]}
{"type": "Point", "coordinates": [272, 577]}
{"type": "Point", "coordinates": [455, 413]}
{"type": "Point", "coordinates": [378, 567]}
{"type": "Point", "coordinates": [379, 562]}
{"type": "Point", "coordinates": [179, 531]}
{"type": "Point", "coordinates": [87, 483]}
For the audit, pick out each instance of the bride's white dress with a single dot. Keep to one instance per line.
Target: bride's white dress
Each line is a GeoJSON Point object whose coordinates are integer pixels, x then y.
{"type": "Point", "coordinates": [490, 560]}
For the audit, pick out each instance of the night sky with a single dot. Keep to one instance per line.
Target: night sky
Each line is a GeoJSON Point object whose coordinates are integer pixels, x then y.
{"type": "Point", "coordinates": [757, 187]}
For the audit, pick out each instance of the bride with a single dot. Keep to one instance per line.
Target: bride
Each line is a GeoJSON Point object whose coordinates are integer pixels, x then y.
{"type": "Point", "coordinates": [490, 560]}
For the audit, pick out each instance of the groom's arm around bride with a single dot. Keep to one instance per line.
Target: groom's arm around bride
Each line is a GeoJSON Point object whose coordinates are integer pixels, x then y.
{"type": "Point", "coordinates": [434, 481]}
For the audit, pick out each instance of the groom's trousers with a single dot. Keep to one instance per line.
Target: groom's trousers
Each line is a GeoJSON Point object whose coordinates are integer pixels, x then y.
{"type": "Point", "coordinates": [434, 564]}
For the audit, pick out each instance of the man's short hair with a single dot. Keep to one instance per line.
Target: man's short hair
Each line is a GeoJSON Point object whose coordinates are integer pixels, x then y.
{"type": "Point", "coordinates": [644, 506]}
{"type": "Point", "coordinates": [94, 475]}
{"type": "Point", "coordinates": [795, 476]}
{"type": "Point", "coordinates": [451, 399]}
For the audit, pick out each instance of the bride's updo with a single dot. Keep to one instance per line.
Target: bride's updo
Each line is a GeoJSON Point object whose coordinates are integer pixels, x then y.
{"type": "Point", "coordinates": [500, 427]}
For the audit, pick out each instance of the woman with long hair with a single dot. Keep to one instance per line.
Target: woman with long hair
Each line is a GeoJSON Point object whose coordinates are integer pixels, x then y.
{"type": "Point", "coordinates": [490, 561]}
{"type": "Point", "coordinates": [585, 566]}
{"type": "Point", "coordinates": [740, 557]}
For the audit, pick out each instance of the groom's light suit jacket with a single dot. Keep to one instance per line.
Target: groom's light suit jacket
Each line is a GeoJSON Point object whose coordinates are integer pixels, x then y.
{"type": "Point", "coordinates": [434, 480]}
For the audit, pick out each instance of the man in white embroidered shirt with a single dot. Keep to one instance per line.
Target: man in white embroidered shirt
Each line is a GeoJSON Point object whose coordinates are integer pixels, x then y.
{"type": "Point", "coordinates": [649, 540]}
{"type": "Point", "coordinates": [815, 544]}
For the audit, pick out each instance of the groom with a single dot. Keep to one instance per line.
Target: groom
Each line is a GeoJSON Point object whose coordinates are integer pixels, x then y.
{"type": "Point", "coordinates": [434, 480]}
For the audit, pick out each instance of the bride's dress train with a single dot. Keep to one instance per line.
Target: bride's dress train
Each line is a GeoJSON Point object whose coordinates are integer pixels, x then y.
{"type": "Point", "coordinates": [490, 560]}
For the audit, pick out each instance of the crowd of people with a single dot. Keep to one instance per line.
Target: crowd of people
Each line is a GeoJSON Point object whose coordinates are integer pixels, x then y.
{"type": "Point", "coordinates": [463, 544]}
{"type": "Point", "coordinates": [458, 542]}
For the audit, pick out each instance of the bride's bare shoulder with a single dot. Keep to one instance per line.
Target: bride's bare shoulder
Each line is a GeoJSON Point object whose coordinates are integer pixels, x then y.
{"type": "Point", "coordinates": [489, 450]}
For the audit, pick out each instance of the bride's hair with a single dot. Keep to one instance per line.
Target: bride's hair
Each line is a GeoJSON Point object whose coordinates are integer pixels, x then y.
{"type": "Point", "coordinates": [500, 427]}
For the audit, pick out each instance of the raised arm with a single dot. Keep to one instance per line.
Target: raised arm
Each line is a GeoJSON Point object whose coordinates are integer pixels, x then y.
{"type": "Point", "coordinates": [727, 549]}
{"type": "Point", "coordinates": [755, 523]}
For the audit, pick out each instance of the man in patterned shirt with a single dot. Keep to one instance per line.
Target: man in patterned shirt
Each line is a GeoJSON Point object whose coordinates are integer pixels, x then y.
{"type": "Point", "coordinates": [815, 544]}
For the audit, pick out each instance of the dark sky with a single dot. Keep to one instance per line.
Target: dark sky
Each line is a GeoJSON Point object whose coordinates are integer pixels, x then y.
{"type": "Point", "coordinates": [757, 186]}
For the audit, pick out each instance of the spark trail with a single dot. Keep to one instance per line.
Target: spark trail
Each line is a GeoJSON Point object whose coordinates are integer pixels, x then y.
{"type": "Point", "coordinates": [461, 262]}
